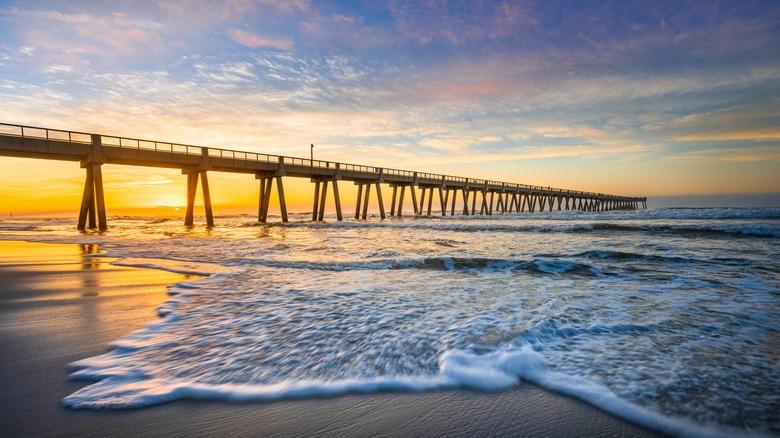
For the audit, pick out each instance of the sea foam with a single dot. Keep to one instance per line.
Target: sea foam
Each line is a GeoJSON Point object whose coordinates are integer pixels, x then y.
{"type": "Point", "coordinates": [124, 388]}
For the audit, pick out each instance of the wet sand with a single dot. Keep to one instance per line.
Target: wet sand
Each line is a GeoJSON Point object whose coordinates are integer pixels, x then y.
{"type": "Point", "coordinates": [60, 303]}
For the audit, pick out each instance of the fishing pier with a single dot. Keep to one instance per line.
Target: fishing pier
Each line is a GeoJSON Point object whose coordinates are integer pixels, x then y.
{"type": "Point", "coordinates": [426, 190]}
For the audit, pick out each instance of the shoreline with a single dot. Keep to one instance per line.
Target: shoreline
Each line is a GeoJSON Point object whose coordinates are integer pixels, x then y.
{"type": "Point", "coordinates": [59, 304]}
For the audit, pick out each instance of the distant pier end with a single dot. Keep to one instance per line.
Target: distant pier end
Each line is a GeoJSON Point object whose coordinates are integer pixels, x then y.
{"type": "Point", "coordinates": [477, 196]}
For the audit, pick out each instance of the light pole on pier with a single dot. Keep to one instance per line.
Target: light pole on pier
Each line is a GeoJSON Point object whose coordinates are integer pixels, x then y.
{"type": "Point", "coordinates": [312, 153]}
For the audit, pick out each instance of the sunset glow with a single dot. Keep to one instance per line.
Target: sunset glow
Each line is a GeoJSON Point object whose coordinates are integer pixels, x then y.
{"type": "Point", "coordinates": [614, 97]}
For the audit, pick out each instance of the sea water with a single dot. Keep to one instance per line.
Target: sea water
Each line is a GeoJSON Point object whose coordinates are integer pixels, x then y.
{"type": "Point", "coordinates": [669, 318]}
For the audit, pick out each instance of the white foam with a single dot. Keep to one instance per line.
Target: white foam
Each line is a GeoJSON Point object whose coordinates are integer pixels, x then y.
{"type": "Point", "coordinates": [123, 387]}
{"type": "Point", "coordinates": [178, 266]}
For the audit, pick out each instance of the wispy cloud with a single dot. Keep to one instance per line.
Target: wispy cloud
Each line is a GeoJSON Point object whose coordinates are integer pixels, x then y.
{"type": "Point", "coordinates": [462, 22]}
{"type": "Point", "coordinates": [79, 18]}
{"type": "Point", "coordinates": [254, 41]}
{"type": "Point", "coordinates": [741, 154]}
{"type": "Point", "coordinates": [58, 69]}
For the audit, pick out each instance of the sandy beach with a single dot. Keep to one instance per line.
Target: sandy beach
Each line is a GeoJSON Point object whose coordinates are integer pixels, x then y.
{"type": "Point", "coordinates": [59, 304]}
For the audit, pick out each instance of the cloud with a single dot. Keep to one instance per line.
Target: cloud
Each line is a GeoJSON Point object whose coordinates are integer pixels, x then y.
{"type": "Point", "coordinates": [565, 131]}
{"type": "Point", "coordinates": [740, 154]}
{"type": "Point", "coordinates": [50, 15]}
{"type": "Point", "coordinates": [200, 14]}
{"type": "Point", "coordinates": [58, 69]}
{"type": "Point", "coordinates": [744, 122]}
{"type": "Point", "coordinates": [538, 152]}
{"type": "Point", "coordinates": [765, 134]}
{"type": "Point", "coordinates": [254, 41]}
{"type": "Point", "coordinates": [78, 38]}
{"type": "Point", "coordinates": [461, 22]}
{"type": "Point", "coordinates": [231, 72]}
{"type": "Point", "coordinates": [457, 144]}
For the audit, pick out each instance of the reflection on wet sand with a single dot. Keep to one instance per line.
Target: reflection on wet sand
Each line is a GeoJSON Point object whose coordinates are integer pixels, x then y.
{"type": "Point", "coordinates": [90, 282]}
{"type": "Point", "coordinates": [83, 291]}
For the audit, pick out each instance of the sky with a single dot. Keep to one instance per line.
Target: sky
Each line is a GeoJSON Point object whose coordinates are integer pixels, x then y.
{"type": "Point", "coordinates": [637, 98]}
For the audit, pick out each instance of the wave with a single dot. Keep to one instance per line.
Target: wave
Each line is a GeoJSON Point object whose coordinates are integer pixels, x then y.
{"type": "Point", "coordinates": [710, 229]}
{"type": "Point", "coordinates": [544, 266]}
{"type": "Point", "coordinates": [124, 387]}
{"type": "Point", "coordinates": [584, 264]}
{"type": "Point", "coordinates": [657, 213]}
{"type": "Point", "coordinates": [186, 267]}
{"type": "Point", "coordinates": [159, 220]}
{"type": "Point", "coordinates": [761, 223]}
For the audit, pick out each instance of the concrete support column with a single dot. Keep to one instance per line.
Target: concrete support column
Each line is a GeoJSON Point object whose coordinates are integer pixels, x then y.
{"type": "Point", "coordinates": [320, 198]}
{"type": "Point", "coordinates": [454, 199]}
{"type": "Point", "coordinates": [264, 199]}
{"type": "Point", "coordinates": [282, 200]}
{"type": "Point", "coordinates": [204, 180]}
{"type": "Point", "coordinates": [414, 200]}
{"type": "Point", "coordinates": [337, 200]}
{"type": "Point", "coordinates": [392, 201]}
{"type": "Point", "coordinates": [365, 201]}
{"type": "Point", "coordinates": [261, 201]}
{"type": "Point", "coordinates": [93, 201]}
{"type": "Point", "coordinates": [315, 208]}
{"type": "Point", "coordinates": [401, 201]}
{"type": "Point", "coordinates": [192, 188]}
{"type": "Point", "coordinates": [380, 201]}
{"type": "Point", "coordinates": [359, 201]}
{"type": "Point", "coordinates": [442, 201]}
{"type": "Point", "coordinates": [323, 198]}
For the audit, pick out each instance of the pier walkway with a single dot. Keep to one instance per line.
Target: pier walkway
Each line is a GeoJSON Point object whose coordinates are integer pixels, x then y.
{"type": "Point", "coordinates": [477, 196]}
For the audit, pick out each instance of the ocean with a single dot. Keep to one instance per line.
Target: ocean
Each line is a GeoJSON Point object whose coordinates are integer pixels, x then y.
{"type": "Point", "coordinates": [668, 318]}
